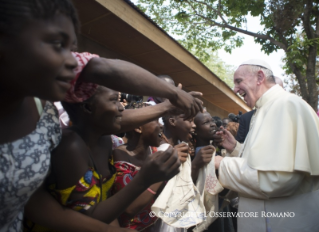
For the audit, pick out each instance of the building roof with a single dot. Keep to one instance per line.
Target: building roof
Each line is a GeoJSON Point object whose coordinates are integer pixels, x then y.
{"type": "Point", "coordinates": [121, 27]}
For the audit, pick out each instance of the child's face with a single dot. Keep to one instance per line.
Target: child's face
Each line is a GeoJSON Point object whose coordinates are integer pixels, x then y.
{"type": "Point", "coordinates": [185, 128]}
{"type": "Point", "coordinates": [205, 126]}
{"type": "Point", "coordinates": [38, 60]}
{"type": "Point", "coordinates": [150, 133]}
{"type": "Point", "coordinates": [107, 110]}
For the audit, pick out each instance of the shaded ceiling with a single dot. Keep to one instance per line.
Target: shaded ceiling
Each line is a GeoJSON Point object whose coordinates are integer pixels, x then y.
{"type": "Point", "coordinates": [106, 28]}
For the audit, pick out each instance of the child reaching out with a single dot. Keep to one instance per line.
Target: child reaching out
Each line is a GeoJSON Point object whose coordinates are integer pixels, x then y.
{"type": "Point", "coordinates": [82, 171]}
{"type": "Point", "coordinates": [205, 134]}
{"type": "Point", "coordinates": [37, 66]}
{"type": "Point", "coordinates": [128, 159]}
{"type": "Point", "coordinates": [178, 133]}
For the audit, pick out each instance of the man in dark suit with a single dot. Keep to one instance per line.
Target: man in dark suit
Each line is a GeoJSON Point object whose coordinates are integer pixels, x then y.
{"type": "Point", "coordinates": [244, 123]}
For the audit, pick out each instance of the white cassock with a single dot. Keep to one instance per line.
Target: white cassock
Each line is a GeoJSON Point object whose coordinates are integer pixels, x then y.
{"type": "Point", "coordinates": [276, 170]}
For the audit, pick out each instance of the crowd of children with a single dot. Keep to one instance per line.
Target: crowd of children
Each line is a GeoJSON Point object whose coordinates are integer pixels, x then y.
{"type": "Point", "coordinates": [73, 180]}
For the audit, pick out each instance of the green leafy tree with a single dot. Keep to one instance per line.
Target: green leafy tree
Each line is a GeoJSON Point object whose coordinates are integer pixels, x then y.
{"type": "Point", "coordinates": [291, 83]}
{"type": "Point", "coordinates": [204, 25]}
{"type": "Point", "coordinates": [224, 71]}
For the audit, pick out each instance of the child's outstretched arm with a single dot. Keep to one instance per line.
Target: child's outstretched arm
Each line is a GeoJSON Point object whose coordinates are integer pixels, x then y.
{"type": "Point", "coordinates": [73, 153]}
{"type": "Point", "coordinates": [129, 78]}
{"type": "Point", "coordinates": [159, 166]}
{"type": "Point", "coordinates": [133, 118]}
{"type": "Point", "coordinates": [43, 209]}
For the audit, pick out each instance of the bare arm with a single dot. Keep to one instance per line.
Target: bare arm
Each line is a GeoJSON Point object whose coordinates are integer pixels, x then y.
{"type": "Point", "coordinates": [145, 198]}
{"type": "Point", "coordinates": [157, 167]}
{"type": "Point", "coordinates": [133, 118]}
{"type": "Point", "coordinates": [71, 153]}
{"type": "Point", "coordinates": [43, 209]}
{"type": "Point", "coordinates": [114, 73]}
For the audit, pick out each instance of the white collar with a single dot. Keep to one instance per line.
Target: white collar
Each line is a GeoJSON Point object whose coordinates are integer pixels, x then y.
{"type": "Point", "coordinates": [264, 98]}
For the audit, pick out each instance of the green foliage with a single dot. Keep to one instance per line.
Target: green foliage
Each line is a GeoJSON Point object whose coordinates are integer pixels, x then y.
{"type": "Point", "coordinates": [204, 26]}
{"type": "Point", "coordinates": [224, 71]}
{"type": "Point", "coordinates": [298, 53]}
{"type": "Point", "coordinates": [209, 25]}
{"type": "Point", "coordinates": [182, 16]}
{"type": "Point", "coordinates": [186, 22]}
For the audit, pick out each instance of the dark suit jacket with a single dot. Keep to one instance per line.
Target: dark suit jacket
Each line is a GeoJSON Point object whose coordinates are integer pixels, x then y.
{"type": "Point", "coordinates": [244, 123]}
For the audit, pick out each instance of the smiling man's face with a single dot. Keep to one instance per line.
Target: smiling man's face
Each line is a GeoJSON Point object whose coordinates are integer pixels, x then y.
{"type": "Point", "coordinates": [246, 85]}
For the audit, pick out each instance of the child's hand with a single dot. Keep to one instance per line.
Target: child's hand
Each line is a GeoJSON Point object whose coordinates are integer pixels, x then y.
{"type": "Point", "coordinates": [182, 150]}
{"type": "Point", "coordinates": [204, 156]}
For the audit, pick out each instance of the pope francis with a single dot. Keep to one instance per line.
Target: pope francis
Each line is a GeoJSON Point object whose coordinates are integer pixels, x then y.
{"type": "Point", "coordinates": [276, 170]}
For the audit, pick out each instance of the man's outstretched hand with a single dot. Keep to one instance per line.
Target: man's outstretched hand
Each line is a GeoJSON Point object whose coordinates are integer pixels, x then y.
{"type": "Point", "coordinates": [228, 140]}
